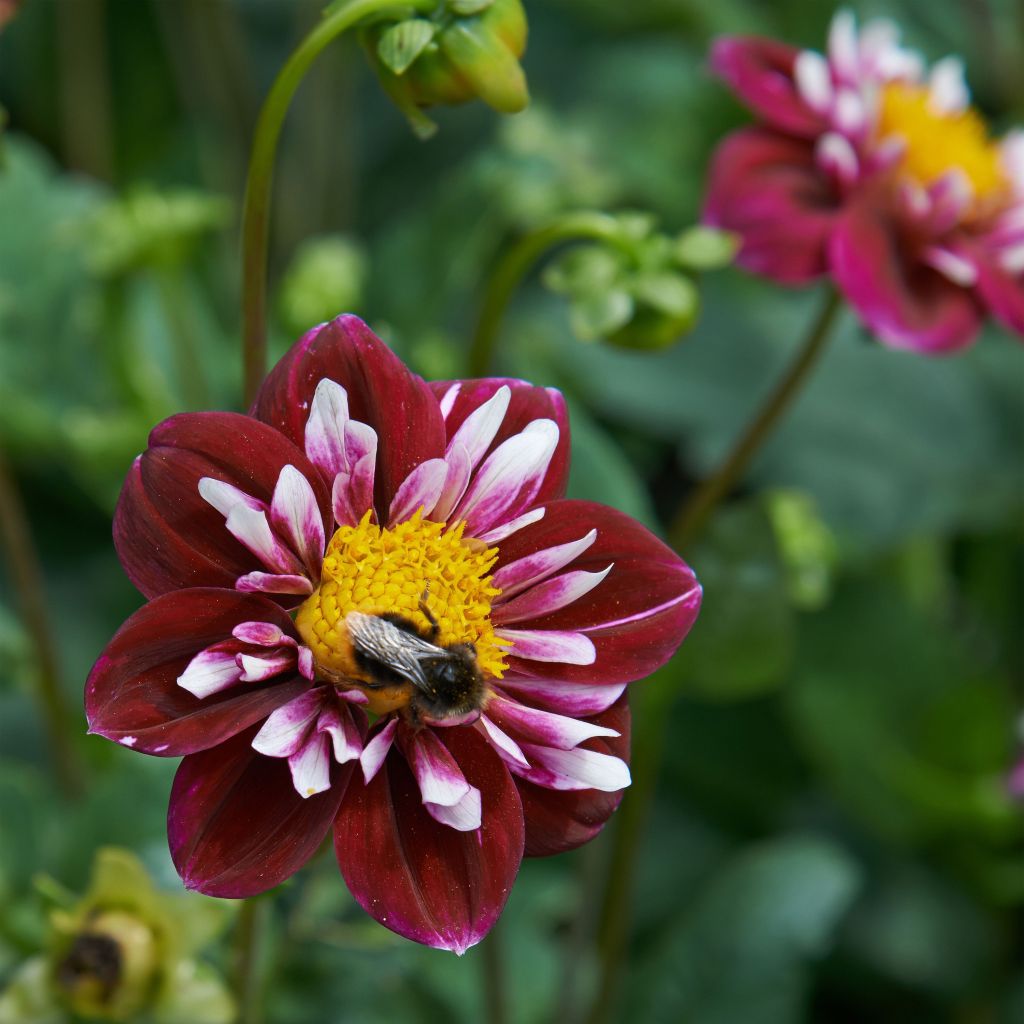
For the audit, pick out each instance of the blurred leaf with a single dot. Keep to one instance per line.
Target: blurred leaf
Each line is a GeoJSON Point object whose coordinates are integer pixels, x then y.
{"type": "Point", "coordinates": [669, 293]}
{"type": "Point", "coordinates": [808, 550]}
{"type": "Point", "coordinates": [599, 471]}
{"type": "Point", "coordinates": [596, 315]}
{"type": "Point", "coordinates": [909, 733]}
{"type": "Point", "coordinates": [742, 951]}
{"type": "Point", "coordinates": [744, 639]}
{"type": "Point", "coordinates": [327, 276]}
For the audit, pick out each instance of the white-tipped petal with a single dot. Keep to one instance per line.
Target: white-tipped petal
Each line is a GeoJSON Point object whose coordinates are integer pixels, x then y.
{"type": "Point", "coordinates": [210, 671]}
{"type": "Point", "coordinates": [437, 773]}
{"type": "Point", "coordinates": [250, 527]}
{"type": "Point", "coordinates": [310, 766]}
{"type": "Point", "coordinates": [813, 80]}
{"type": "Point", "coordinates": [517, 576]}
{"type": "Point", "coordinates": [421, 489]}
{"type": "Point", "coordinates": [345, 739]}
{"type": "Point", "coordinates": [257, 667]}
{"type": "Point", "coordinates": [224, 496]}
{"type": "Point", "coordinates": [447, 403]}
{"type": "Point", "coordinates": [481, 426]}
{"type": "Point", "coordinates": [273, 583]}
{"type": "Point", "coordinates": [325, 428]}
{"type": "Point", "coordinates": [500, 532]}
{"type": "Point", "coordinates": [507, 748]}
{"type": "Point", "coordinates": [296, 517]}
{"type": "Point", "coordinates": [574, 769]}
{"type": "Point", "coordinates": [550, 645]}
{"type": "Point", "coordinates": [376, 751]}
{"type": "Point", "coordinates": [952, 266]}
{"type": "Point", "coordinates": [543, 727]}
{"type": "Point", "coordinates": [549, 596]}
{"type": "Point", "coordinates": [464, 816]}
{"type": "Point", "coordinates": [284, 732]}
{"type": "Point", "coordinates": [948, 87]}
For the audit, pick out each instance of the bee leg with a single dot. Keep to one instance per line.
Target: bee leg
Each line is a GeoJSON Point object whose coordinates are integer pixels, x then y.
{"type": "Point", "coordinates": [435, 629]}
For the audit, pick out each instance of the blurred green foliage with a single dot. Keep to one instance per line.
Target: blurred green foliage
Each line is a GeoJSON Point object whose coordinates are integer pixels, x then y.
{"type": "Point", "coordinates": [832, 838]}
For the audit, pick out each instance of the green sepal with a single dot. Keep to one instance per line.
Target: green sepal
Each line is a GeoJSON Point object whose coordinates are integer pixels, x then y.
{"type": "Point", "coordinates": [399, 45]}
{"type": "Point", "coordinates": [704, 248]}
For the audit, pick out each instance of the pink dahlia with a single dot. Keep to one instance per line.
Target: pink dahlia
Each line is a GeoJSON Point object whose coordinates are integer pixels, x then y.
{"type": "Point", "coordinates": [868, 168]}
{"type": "Point", "coordinates": [310, 569]}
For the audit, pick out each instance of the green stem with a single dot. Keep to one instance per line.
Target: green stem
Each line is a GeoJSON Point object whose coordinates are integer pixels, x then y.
{"type": "Point", "coordinates": [250, 926]}
{"type": "Point", "coordinates": [256, 210]}
{"type": "Point", "coordinates": [695, 511]}
{"type": "Point", "coordinates": [27, 580]}
{"type": "Point", "coordinates": [495, 991]}
{"type": "Point", "coordinates": [652, 705]}
{"type": "Point", "coordinates": [516, 263]}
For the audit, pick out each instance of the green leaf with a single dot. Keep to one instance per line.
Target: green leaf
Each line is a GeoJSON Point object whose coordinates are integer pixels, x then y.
{"type": "Point", "coordinates": [400, 45]}
{"type": "Point", "coordinates": [743, 951]}
{"type": "Point", "coordinates": [703, 248]}
{"type": "Point", "coordinates": [584, 270]}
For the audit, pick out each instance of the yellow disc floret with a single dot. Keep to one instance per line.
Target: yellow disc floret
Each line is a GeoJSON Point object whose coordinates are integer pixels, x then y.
{"type": "Point", "coordinates": [377, 570]}
{"type": "Point", "coordinates": [939, 141]}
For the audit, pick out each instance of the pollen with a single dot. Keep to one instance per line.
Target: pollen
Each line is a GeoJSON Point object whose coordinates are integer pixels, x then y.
{"type": "Point", "coordinates": [377, 570]}
{"type": "Point", "coordinates": [937, 141]}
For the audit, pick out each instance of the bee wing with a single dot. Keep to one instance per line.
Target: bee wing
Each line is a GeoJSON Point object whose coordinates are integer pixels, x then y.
{"type": "Point", "coordinates": [383, 641]}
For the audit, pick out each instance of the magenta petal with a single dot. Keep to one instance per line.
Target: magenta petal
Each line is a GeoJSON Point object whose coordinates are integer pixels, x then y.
{"type": "Point", "coordinates": [559, 820]}
{"type": "Point", "coordinates": [904, 302]}
{"type": "Point", "coordinates": [760, 72]}
{"type": "Point", "coordinates": [767, 188]}
{"type": "Point", "coordinates": [167, 536]}
{"type": "Point", "coordinates": [527, 403]}
{"type": "Point", "coordinates": [235, 824]}
{"type": "Point", "coordinates": [635, 619]}
{"type": "Point", "coordinates": [132, 692]}
{"type": "Point", "coordinates": [381, 392]}
{"type": "Point", "coordinates": [423, 879]}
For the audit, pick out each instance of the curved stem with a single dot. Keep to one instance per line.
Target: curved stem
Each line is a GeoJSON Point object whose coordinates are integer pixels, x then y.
{"type": "Point", "coordinates": [516, 263]}
{"type": "Point", "coordinates": [695, 511]}
{"type": "Point", "coordinates": [256, 210]}
{"type": "Point", "coordinates": [27, 580]}
{"type": "Point", "coordinates": [495, 990]}
{"type": "Point", "coordinates": [248, 940]}
{"type": "Point", "coordinates": [654, 699]}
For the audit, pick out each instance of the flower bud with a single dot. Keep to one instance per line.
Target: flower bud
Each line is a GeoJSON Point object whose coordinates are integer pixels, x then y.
{"type": "Point", "coordinates": [110, 967]}
{"type": "Point", "coordinates": [467, 49]}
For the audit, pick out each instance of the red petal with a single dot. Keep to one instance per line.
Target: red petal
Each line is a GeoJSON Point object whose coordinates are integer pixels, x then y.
{"type": "Point", "coordinates": [636, 617]}
{"type": "Point", "coordinates": [767, 188]}
{"type": "Point", "coordinates": [236, 826]}
{"type": "Point", "coordinates": [560, 820]}
{"type": "Point", "coordinates": [904, 302]}
{"type": "Point", "coordinates": [382, 392]}
{"type": "Point", "coordinates": [422, 879]}
{"type": "Point", "coordinates": [1000, 290]}
{"type": "Point", "coordinates": [132, 692]}
{"type": "Point", "coordinates": [528, 403]}
{"type": "Point", "coordinates": [166, 535]}
{"type": "Point", "coordinates": [760, 71]}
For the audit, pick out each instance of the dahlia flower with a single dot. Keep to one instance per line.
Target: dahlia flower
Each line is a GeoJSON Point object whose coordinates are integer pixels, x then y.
{"type": "Point", "coordinates": [355, 491]}
{"type": "Point", "coordinates": [868, 167]}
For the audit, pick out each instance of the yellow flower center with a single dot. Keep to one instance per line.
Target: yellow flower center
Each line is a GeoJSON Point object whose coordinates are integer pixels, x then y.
{"type": "Point", "coordinates": [937, 142]}
{"type": "Point", "coordinates": [376, 570]}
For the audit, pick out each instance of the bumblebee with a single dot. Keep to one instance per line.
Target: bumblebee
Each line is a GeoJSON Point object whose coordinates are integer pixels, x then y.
{"type": "Point", "coordinates": [391, 650]}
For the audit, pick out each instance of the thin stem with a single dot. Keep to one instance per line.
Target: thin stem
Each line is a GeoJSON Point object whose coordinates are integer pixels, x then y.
{"type": "Point", "coordinates": [256, 211]}
{"type": "Point", "coordinates": [695, 512]}
{"type": "Point", "coordinates": [495, 991]}
{"type": "Point", "coordinates": [27, 577]}
{"type": "Point", "coordinates": [652, 706]}
{"type": "Point", "coordinates": [513, 267]}
{"type": "Point", "coordinates": [249, 928]}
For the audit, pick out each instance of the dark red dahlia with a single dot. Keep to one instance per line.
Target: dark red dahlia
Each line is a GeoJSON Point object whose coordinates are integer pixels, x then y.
{"type": "Point", "coordinates": [270, 546]}
{"type": "Point", "coordinates": [868, 169]}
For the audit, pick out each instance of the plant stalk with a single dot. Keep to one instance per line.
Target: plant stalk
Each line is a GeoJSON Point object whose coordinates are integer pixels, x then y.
{"type": "Point", "coordinates": [513, 267]}
{"type": "Point", "coordinates": [256, 209]}
{"type": "Point", "coordinates": [27, 580]}
{"type": "Point", "coordinates": [651, 710]}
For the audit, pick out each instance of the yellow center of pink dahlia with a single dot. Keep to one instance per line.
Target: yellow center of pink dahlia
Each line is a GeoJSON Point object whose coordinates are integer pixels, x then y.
{"type": "Point", "coordinates": [376, 570]}
{"type": "Point", "coordinates": [938, 142]}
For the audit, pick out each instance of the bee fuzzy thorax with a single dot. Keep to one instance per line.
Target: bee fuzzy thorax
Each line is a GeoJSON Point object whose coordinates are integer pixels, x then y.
{"type": "Point", "coordinates": [372, 572]}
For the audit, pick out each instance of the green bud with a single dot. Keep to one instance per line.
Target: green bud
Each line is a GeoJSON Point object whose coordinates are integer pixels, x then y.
{"type": "Point", "coordinates": [703, 248]}
{"type": "Point", "coordinates": [110, 968]}
{"type": "Point", "coordinates": [467, 49]}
